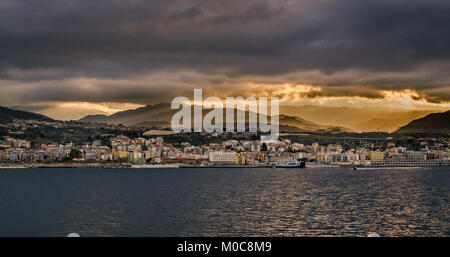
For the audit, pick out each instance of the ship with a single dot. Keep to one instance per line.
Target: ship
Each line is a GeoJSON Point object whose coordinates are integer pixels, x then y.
{"type": "Point", "coordinates": [291, 164]}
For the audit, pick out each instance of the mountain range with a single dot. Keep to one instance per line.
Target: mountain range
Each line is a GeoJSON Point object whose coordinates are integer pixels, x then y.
{"type": "Point", "coordinates": [305, 118]}
{"type": "Point", "coordinates": [159, 115]}
{"type": "Point", "coordinates": [319, 119]}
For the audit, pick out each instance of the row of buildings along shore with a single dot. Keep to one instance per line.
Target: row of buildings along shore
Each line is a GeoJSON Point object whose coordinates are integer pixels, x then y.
{"type": "Point", "coordinates": [154, 151]}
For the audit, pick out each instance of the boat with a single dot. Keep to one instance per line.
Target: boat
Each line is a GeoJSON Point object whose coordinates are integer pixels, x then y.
{"type": "Point", "coordinates": [291, 164]}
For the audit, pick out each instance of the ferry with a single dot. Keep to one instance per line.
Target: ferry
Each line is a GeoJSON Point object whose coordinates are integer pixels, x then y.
{"type": "Point", "coordinates": [291, 164]}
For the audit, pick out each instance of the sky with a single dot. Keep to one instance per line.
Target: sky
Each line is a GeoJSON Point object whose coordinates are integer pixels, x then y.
{"type": "Point", "coordinates": [70, 58]}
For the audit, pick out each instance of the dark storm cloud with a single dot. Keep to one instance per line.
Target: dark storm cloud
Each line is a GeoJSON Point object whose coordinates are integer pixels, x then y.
{"type": "Point", "coordinates": [46, 45]}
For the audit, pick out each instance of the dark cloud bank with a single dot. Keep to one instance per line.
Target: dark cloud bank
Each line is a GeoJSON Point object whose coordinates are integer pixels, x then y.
{"type": "Point", "coordinates": [136, 51]}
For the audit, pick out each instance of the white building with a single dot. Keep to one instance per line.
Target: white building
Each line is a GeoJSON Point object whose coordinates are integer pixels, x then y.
{"type": "Point", "coordinates": [222, 158]}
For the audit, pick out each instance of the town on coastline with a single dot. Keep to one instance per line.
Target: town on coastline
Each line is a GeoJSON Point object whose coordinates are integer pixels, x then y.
{"type": "Point", "coordinates": [33, 143]}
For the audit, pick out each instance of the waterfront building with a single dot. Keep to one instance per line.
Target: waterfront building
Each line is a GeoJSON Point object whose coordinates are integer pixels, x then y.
{"type": "Point", "coordinates": [14, 156]}
{"type": "Point", "coordinates": [226, 158]}
{"type": "Point", "coordinates": [136, 157]}
{"type": "Point", "coordinates": [376, 155]}
{"type": "Point", "coordinates": [416, 156]}
{"type": "Point", "coordinates": [119, 155]}
{"type": "Point", "coordinates": [240, 159]}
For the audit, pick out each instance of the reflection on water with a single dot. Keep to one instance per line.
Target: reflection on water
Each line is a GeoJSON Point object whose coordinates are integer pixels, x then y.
{"type": "Point", "coordinates": [225, 202]}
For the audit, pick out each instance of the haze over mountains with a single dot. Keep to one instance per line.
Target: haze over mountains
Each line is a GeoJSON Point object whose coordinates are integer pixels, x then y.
{"type": "Point", "coordinates": [160, 115]}
{"type": "Point", "coordinates": [357, 119]}
{"type": "Point", "coordinates": [307, 118]}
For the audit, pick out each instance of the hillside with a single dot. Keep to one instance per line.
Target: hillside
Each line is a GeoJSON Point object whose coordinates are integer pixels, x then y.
{"type": "Point", "coordinates": [7, 114]}
{"type": "Point", "coordinates": [432, 123]}
{"type": "Point", "coordinates": [156, 113]}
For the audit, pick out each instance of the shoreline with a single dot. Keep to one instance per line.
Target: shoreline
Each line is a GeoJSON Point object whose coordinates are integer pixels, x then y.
{"type": "Point", "coordinates": [176, 166]}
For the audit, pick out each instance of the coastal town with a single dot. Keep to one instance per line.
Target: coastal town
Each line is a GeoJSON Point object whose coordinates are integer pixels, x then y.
{"type": "Point", "coordinates": [120, 146]}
